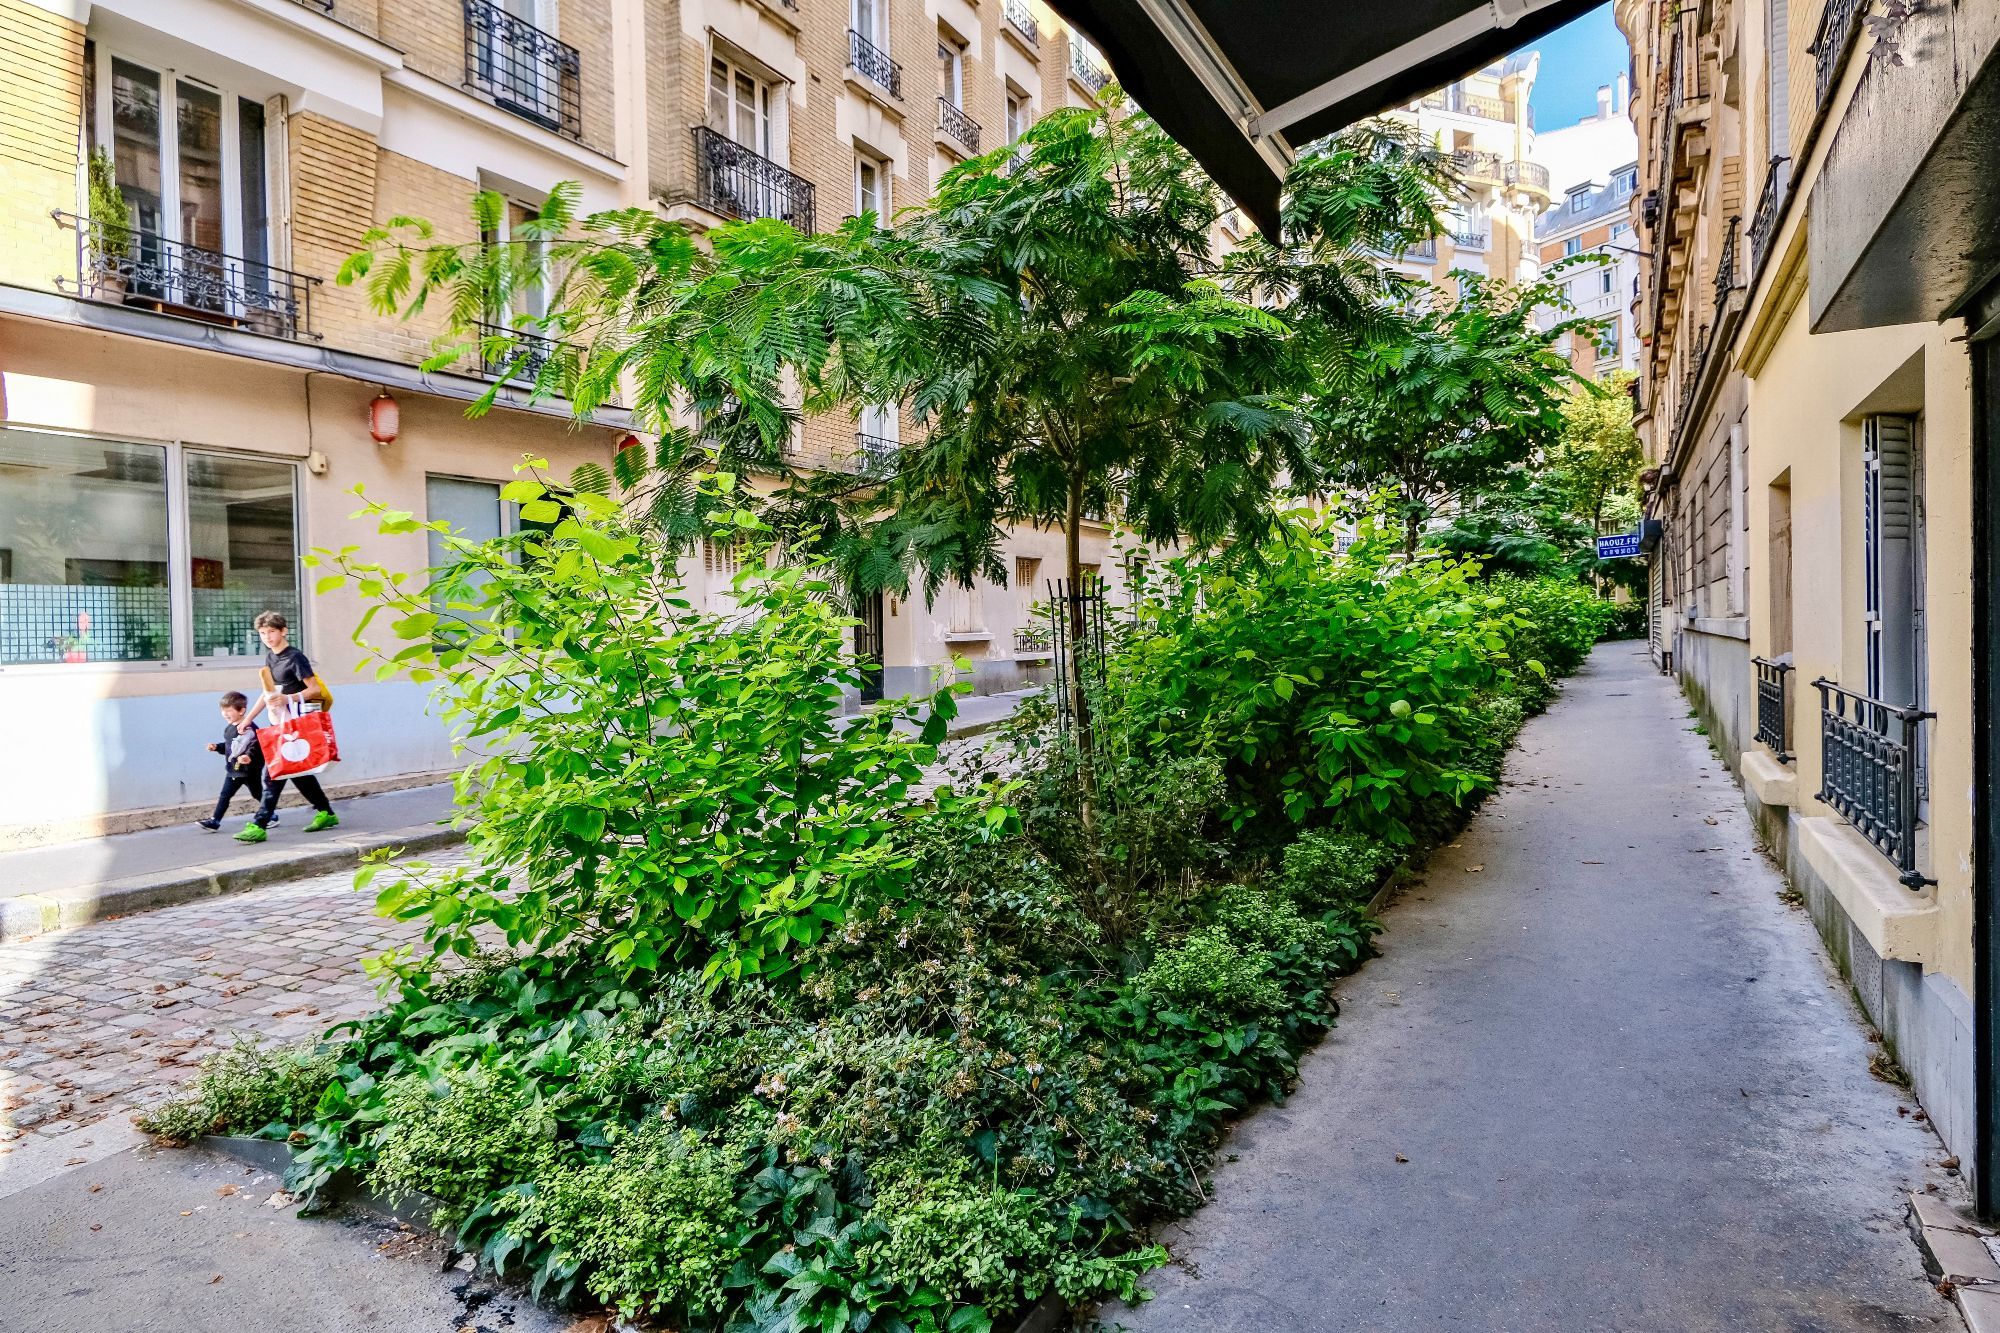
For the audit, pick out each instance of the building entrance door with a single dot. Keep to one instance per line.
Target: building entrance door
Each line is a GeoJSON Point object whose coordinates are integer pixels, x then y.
{"type": "Point", "coordinates": [868, 647]}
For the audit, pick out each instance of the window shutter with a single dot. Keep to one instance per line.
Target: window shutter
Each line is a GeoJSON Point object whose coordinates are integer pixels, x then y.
{"type": "Point", "coordinates": [1888, 511]}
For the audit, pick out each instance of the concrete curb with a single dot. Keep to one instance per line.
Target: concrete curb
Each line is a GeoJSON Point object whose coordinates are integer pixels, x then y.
{"type": "Point", "coordinates": [38, 913]}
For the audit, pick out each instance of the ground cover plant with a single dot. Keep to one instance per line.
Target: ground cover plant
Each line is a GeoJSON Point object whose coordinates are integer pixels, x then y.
{"type": "Point", "coordinates": [726, 1028]}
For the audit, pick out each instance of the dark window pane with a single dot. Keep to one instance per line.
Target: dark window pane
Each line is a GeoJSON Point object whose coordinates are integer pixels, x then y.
{"type": "Point", "coordinates": [243, 550]}
{"type": "Point", "coordinates": [83, 550]}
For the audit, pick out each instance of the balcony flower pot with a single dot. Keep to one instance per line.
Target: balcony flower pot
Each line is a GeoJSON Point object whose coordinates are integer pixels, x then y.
{"type": "Point", "coordinates": [108, 242]}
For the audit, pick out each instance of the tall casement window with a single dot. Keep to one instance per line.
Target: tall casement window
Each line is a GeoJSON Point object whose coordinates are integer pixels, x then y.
{"type": "Point", "coordinates": [122, 551]}
{"type": "Point", "coordinates": [870, 18]}
{"type": "Point", "coordinates": [189, 159]}
{"type": "Point", "coordinates": [1778, 83]}
{"type": "Point", "coordinates": [951, 69]}
{"type": "Point", "coordinates": [1019, 116]}
{"type": "Point", "coordinates": [739, 105]}
{"type": "Point", "coordinates": [871, 186]}
{"type": "Point", "coordinates": [1892, 559]}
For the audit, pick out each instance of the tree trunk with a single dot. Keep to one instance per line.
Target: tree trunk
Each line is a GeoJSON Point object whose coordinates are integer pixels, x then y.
{"type": "Point", "coordinates": [1072, 665]}
{"type": "Point", "coordinates": [1411, 530]}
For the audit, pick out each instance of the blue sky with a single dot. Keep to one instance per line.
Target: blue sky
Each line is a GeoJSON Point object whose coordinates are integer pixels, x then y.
{"type": "Point", "coordinates": [1576, 59]}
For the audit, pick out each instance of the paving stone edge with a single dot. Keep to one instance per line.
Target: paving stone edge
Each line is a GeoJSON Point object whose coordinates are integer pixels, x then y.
{"type": "Point", "coordinates": [38, 913]}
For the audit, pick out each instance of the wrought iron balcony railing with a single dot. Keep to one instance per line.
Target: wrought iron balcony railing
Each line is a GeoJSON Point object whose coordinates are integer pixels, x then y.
{"type": "Point", "coordinates": [1774, 726]}
{"type": "Point", "coordinates": [520, 68]}
{"type": "Point", "coordinates": [1086, 69]}
{"type": "Point", "coordinates": [1726, 279]}
{"type": "Point", "coordinates": [731, 180]}
{"type": "Point", "coordinates": [874, 63]}
{"type": "Point", "coordinates": [875, 455]}
{"type": "Point", "coordinates": [1528, 175]}
{"type": "Point", "coordinates": [323, 6]}
{"type": "Point", "coordinates": [517, 356]}
{"type": "Point", "coordinates": [1868, 771]}
{"type": "Point", "coordinates": [125, 266]}
{"type": "Point", "coordinates": [1022, 19]}
{"type": "Point", "coordinates": [1777, 175]}
{"type": "Point", "coordinates": [1472, 240]}
{"type": "Point", "coordinates": [1838, 24]}
{"type": "Point", "coordinates": [953, 121]}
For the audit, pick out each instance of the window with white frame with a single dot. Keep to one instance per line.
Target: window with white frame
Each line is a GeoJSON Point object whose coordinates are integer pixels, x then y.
{"type": "Point", "coordinates": [739, 105]}
{"type": "Point", "coordinates": [951, 69]}
{"type": "Point", "coordinates": [121, 551]}
{"type": "Point", "coordinates": [189, 158]}
{"type": "Point", "coordinates": [871, 186]}
{"type": "Point", "coordinates": [1020, 114]}
{"type": "Point", "coordinates": [1572, 246]}
{"type": "Point", "coordinates": [870, 18]}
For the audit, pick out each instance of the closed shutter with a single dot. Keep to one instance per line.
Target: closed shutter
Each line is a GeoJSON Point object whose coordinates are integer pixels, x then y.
{"type": "Point", "coordinates": [1778, 61]}
{"type": "Point", "coordinates": [1888, 512]}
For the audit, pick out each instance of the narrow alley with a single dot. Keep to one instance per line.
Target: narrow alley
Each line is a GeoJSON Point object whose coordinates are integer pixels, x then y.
{"type": "Point", "coordinates": [1602, 1077]}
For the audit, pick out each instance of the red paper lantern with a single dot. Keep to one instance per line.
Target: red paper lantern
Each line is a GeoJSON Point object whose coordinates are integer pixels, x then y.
{"type": "Point", "coordinates": [385, 419]}
{"type": "Point", "coordinates": [628, 441]}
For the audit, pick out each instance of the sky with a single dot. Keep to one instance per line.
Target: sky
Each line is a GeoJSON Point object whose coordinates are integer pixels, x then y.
{"type": "Point", "coordinates": [1576, 59]}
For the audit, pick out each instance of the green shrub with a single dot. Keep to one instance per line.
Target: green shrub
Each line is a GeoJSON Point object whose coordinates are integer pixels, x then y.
{"type": "Point", "coordinates": [1326, 870]}
{"type": "Point", "coordinates": [961, 1239]}
{"type": "Point", "coordinates": [459, 1137]}
{"type": "Point", "coordinates": [1563, 619]}
{"type": "Point", "coordinates": [1627, 620]}
{"type": "Point", "coordinates": [1210, 968]}
{"type": "Point", "coordinates": [247, 1089]}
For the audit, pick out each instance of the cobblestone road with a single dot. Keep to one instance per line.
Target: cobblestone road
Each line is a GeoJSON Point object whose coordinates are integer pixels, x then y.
{"type": "Point", "coordinates": [100, 1022]}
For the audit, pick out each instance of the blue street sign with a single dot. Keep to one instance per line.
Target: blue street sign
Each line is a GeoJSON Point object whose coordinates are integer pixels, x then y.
{"type": "Point", "coordinates": [1618, 546]}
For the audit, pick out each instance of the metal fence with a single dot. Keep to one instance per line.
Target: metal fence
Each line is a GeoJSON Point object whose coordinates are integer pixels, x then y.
{"type": "Point", "coordinates": [1022, 18]}
{"type": "Point", "coordinates": [875, 455]}
{"type": "Point", "coordinates": [520, 358]}
{"type": "Point", "coordinates": [874, 63]}
{"type": "Point", "coordinates": [141, 268]}
{"type": "Point", "coordinates": [1838, 24]}
{"type": "Point", "coordinates": [522, 69]}
{"type": "Point", "coordinates": [953, 121]}
{"type": "Point", "coordinates": [1868, 771]}
{"type": "Point", "coordinates": [1086, 70]}
{"type": "Point", "coordinates": [1773, 717]}
{"type": "Point", "coordinates": [734, 181]}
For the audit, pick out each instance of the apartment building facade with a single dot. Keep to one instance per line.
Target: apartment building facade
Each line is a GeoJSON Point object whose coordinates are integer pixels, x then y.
{"type": "Point", "coordinates": [188, 398]}
{"type": "Point", "coordinates": [1486, 123]}
{"type": "Point", "coordinates": [1594, 218]}
{"type": "Point", "coordinates": [1818, 410]}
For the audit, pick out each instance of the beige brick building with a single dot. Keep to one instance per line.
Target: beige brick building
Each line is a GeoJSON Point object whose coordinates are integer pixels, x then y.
{"type": "Point", "coordinates": [185, 411]}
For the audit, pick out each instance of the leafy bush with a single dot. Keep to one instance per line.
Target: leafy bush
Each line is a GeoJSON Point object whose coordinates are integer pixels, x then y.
{"type": "Point", "coordinates": [1626, 621]}
{"type": "Point", "coordinates": [459, 1137]}
{"type": "Point", "coordinates": [1563, 619]}
{"type": "Point", "coordinates": [245, 1090]}
{"type": "Point", "coordinates": [1326, 870]}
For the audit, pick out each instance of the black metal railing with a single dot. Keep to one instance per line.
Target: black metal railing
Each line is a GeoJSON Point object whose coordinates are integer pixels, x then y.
{"type": "Point", "coordinates": [516, 356]}
{"type": "Point", "coordinates": [1529, 175]}
{"type": "Point", "coordinates": [874, 63]}
{"type": "Point", "coordinates": [1868, 771]}
{"type": "Point", "coordinates": [1471, 240]}
{"type": "Point", "coordinates": [875, 455]}
{"type": "Point", "coordinates": [1077, 632]}
{"type": "Point", "coordinates": [1774, 726]}
{"type": "Point", "coordinates": [522, 69]}
{"type": "Point", "coordinates": [732, 180]}
{"type": "Point", "coordinates": [323, 6]}
{"type": "Point", "coordinates": [1725, 267]}
{"type": "Point", "coordinates": [1086, 69]}
{"type": "Point", "coordinates": [1022, 19]}
{"type": "Point", "coordinates": [953, 121]}
{"type": "Point", "coordinates": [1777, 175]}
{"type": "Point", "coordinates": [126, 266]}
{"type": "Point", "coordinates": [1838, 24]}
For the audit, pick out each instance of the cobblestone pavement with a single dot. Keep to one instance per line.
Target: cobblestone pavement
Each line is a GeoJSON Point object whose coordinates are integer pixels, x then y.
{"type": "Point", "coordinates": [102, 1021]}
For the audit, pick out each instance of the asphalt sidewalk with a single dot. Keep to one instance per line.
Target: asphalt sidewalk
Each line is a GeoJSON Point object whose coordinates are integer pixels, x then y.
{"type": "Point", "coordinates": [68, 884]}
{"type": "Point", "coordinates": [1602, 1077]}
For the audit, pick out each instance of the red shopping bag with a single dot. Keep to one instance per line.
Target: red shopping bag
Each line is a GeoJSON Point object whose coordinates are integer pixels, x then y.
{"type": "Point", "coordinates": [298, 746]}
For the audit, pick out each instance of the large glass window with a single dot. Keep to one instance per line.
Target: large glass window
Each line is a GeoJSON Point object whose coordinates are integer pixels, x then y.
{"type": "Point", "coordinates": [242, 549]}
{"type": "Point", "coordinates": [739, 105]}
{"type": "Point", "coordinates": [83, 550]}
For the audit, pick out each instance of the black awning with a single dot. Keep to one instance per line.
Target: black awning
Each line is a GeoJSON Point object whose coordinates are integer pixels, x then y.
{"type": "Point", "coordinates": [1241, 83]}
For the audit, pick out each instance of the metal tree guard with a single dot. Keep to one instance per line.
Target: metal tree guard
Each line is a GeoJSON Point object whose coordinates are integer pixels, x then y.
{"type": "Point", "coordinates": [1070, 607]}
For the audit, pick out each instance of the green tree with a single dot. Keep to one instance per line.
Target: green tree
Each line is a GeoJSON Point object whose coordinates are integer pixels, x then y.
{"type": "Point", "coordinates": [1447, 401]}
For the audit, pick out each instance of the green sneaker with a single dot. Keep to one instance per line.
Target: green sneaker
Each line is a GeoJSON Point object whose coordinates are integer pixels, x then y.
{"type": "Point", "coordinates": [324, 819]}
{"type": "Point", "coordinates": [252, 833]}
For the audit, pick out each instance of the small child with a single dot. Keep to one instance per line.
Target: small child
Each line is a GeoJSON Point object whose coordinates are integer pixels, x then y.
{"type": "Point", "coordinates": [242, 758]}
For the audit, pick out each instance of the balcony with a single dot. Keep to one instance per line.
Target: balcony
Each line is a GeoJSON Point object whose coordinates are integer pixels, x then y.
{"type": "Point", "coordinates": [1727, 279]}
{"type": "Point", "coordinates": [1021, 19]}
{"type": "Point", "coordinates": [875, 456]}
{"type": "Point", "coordinates": [731, 180]}
{"type": "Point", "coordinates": [520, 68]}
{"type": "Point", "coordinates": [1774, 726]}
{"type": "Point", "coordinates": [1457, 100]}
{"type": "Point", "coordinates": [1532, 176]}
{"type": "Point", "coordinates": [1473, 164]}
{"type": "Point", "coordinates": [515, 356]}
{"type": "Point", "coordinates": [1868, 771]}
{"type": "Point", "coordinates": [1839, 23]}
{"type": "Point", "coordinates": [874, 64]}
{"type": "Point", "coordinates": [1777, 176]}
{"type": "Point", "coordinates": [953, 121]}
{"type": "Point", "coordinates": [1472, 240]}
{"type": "Point", "coordinates": [323, 6]}
{"type": "Point", "coordinates": [125, 266]}
{"type": "Point", "coordinates": [1083, 67]}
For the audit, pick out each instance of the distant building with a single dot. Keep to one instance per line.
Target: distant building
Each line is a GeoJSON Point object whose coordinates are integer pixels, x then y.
{"type": "Point", "coordinates": [1587, 151]}
{"type": "Point", "coordinates": [1596, 219]}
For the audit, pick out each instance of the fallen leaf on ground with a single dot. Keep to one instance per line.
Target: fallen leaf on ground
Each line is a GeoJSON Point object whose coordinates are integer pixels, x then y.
{"type": "Point", "coordinates": [97, 1226]}
{"type": "Point", "coordinates": [217, 1278]}
{"type": "Point", "coordinates": [76, 1161]}
{"type": "Point", "coordinates": [1401, 1158]}
{"type": "Point", "coordinates": [225, 1191]}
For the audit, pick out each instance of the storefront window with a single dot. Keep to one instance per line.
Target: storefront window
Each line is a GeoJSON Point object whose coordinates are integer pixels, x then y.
{"type": "Point", "coordinates": [83, 550]}
{"type": "Point", "coordinates": [242, 550]}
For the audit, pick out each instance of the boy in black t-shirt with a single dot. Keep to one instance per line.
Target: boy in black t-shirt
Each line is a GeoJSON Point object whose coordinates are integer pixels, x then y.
{"type": "Point", "coordinates": [292, 685]}
{"type": "Point", "coordinates": [242, 758]}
